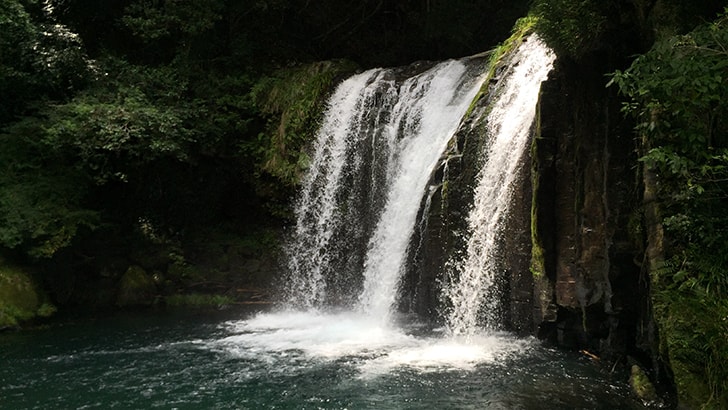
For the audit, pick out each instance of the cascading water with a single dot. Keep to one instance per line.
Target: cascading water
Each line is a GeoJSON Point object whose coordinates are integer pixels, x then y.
{"type": "Point", "coordinates": [378, 145]}
{"type": "Point", "coordinates": [427, 114]}
{"type": "Point", "coordinates": [472, 293]}
{"type": "Point", "coordinates": [317, 215]}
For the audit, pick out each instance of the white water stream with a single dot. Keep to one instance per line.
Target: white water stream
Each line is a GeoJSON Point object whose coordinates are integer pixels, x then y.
{"type": "Point", "coordinates": [427, 114]}
{"type": "Point", "coordinates": [406, 128]}
{"type": "Point", "coordinates": [317, 217]}
{"type": "Point", "coordinates": [473, 293]}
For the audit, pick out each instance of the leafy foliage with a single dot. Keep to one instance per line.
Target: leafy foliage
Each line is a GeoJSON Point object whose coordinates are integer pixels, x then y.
{"type": "Point", "coordinates": [570, 27]}
{"type": "Point", "coordinates": [37, 59]}
{"type": "Point", "coordinates": [110, 133]}
{"type": "Point", "coordinates": [19, 298]}
{"type": "Point", "coordinates": [678, 95]}
{"type": "Point", "coordinates": [41, 198]}
{"type": "Point", "coordinates": [151, 19]}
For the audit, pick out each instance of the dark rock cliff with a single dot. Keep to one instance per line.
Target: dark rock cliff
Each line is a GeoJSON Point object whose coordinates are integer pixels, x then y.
{"type": "Point", "coordinates": [593, 294]}
{"type": "Point", "coordinates": [583, 163]}
{"type": "Point", "coordinates": [573, 268]}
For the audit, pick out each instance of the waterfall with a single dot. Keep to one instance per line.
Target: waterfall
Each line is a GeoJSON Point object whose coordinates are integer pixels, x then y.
{"type": "Point", "coordinates": [428, 113]}
{"type": "Point", "coordinates": [318, 216]}
{"type": "Point", "coordinates": [383, 134]}
{"type": "Point", "coordinates": [473, 292]}
{"type": "Point", "coordinates": [380, 140]}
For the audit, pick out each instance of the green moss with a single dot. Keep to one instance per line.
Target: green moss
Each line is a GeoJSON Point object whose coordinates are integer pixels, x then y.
{"type": "Point", "coordinates": [538, 263]}
{"type": "Point", "coordinates": [293, 100]}
{"type": "Point", "coordinates": [521, 29]}
{"type": "Point", "coordinates": [692, 387]}
{"type": "Point", "coordinates": [136, 287]}
{"type": "Point", "coordinates": [46, 310]}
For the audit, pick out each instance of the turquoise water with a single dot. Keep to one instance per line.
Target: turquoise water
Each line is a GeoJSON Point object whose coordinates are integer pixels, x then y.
{"type": "Point", "coordinates": [290, 360]}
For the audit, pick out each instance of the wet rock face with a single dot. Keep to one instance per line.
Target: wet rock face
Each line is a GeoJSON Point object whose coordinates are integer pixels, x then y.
{"type": "Point", "coordinates": [585, 198]}
{"type": "Point", "coordinates": [576, 194]}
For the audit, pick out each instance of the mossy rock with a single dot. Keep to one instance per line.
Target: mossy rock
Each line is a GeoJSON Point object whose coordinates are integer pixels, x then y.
{"type": "Point", "coordinates": [136, 288]}
{"type": "Point", "coordinates": [20, 299]}
{"type": "Point", "coordinates": [641, 385]}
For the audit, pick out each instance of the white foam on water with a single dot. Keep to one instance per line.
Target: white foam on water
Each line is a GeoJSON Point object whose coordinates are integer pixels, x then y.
{"type": "Point", "coordinates": [293, 339]}
{"type": "Point", "coordinates": [446, 354]}
{"type": "Point", "coordinates": [315, 334]}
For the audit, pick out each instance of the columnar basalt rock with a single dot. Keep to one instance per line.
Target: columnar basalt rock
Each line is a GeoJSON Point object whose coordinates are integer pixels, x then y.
{"type": "Point", "coordinates": [578, 180]}
{"type": "Point", "coordinates": [588, 193]}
